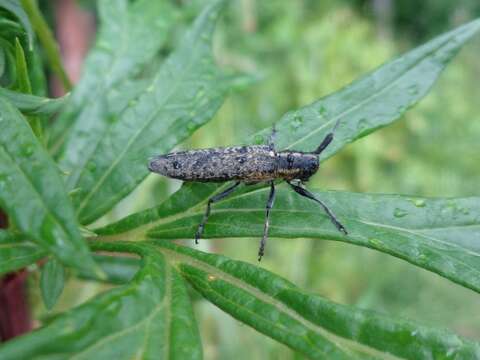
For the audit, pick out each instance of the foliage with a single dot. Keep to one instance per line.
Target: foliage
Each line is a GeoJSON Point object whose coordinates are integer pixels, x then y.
{"type": "Point", "coordinates": [121, 113]}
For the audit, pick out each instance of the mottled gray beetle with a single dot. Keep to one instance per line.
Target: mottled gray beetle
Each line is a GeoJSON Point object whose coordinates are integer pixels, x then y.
{"type": "Point", "coordinates": [247, 164]}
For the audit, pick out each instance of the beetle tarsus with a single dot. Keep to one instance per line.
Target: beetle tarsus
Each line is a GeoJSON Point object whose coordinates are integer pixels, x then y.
{"type": "Point", "coordinates": [263, 242]}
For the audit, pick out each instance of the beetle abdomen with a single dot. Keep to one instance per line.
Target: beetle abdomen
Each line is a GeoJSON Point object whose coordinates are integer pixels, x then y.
{"type": "Point", "coordinates": [246, 163]}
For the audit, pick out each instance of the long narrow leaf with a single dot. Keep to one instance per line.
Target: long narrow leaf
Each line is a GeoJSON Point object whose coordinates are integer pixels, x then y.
{"type": "Point", "coordinates": [33, 194]}
{"type": "Point", "coordinates": [16, 253]}
{"type": "Point", "coordinates": [131, 33]}
{"type": "Point", "coordinates": [183, 95]}
{"type": "Point", "coordinates": [149, 318]}
{"type": "Point", "coordinates": [364, 106]}
{"type": "Point", "coordinates": [310, 324]}
{"type": "Point", "coordinates": [441, 235]}
{"type": "Point", "coordinates": [33, 105]}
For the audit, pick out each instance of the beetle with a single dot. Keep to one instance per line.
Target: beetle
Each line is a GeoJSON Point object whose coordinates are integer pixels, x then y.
{"type": "Point", "coordinates": [250, 165]}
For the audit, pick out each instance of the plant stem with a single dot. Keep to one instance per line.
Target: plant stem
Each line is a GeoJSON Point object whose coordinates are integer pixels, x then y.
{"type": "Point", "coordinates": [47, 40]}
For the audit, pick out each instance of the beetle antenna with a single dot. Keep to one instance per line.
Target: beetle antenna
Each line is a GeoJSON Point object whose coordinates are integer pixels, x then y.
{"type": "Point", "coordinates": [327, 140]}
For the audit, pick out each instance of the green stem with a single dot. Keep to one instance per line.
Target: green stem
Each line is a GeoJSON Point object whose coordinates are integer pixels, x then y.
{"type": "Point", "coordinates": [47, 40]}
{"type": "Point", "coordinates": [24, 86]}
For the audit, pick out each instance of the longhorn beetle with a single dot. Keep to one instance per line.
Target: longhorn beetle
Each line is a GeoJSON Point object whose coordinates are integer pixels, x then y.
{"type": "Point", "coordinates": [246, 164]}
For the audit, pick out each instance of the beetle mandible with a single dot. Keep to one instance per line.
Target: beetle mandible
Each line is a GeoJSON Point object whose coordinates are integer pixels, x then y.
{"type": "Point", "coordinates": [246, 164]}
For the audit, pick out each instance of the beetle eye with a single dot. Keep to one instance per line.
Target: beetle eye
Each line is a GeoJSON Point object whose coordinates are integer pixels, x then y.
{"type": "Point", "coordinates": [176, 165]}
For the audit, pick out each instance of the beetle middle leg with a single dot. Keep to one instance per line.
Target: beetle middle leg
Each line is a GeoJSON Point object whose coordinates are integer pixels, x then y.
{"type": "Point", "coordinates": [304, 192]}
{"type": "Point", "coordinates": [263, 242]}
{"type": "Point", "coordinates": [213, 199]}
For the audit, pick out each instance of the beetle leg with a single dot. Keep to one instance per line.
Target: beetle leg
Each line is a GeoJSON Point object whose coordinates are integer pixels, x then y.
{"type": "Point", "coordinates": [304, 192]}
{"type": "Point", "coordinates": [271, 140]}
{"type": "Point", "coordinates": [213, 199]}
{"type": "Point", "coordinates": [263, 242]}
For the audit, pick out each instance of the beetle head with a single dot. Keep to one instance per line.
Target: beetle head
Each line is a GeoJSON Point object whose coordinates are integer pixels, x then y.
{"type": "Point", "coordinates": [297, 165]}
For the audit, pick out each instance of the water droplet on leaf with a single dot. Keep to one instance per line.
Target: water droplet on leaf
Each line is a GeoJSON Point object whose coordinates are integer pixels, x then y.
{"type": "Point", "coordinates": [322, 111]}
{"type": "Point", "coordinates": [27, 151]}
{"type": "Point", "coordinates": [399, 213]}
{"type": "Point", "coordinates": [375, 242]}
{"type": "Point", "coordinates": [413, 89]}
{"type": "Point", "coordinates": [419, 203]}
{"type": "Point", "coordinates": [91, 166]}
{"type": "Point", "coordinates": [258, 139]}
{"type": "Point", "coordinates": [297, 122]}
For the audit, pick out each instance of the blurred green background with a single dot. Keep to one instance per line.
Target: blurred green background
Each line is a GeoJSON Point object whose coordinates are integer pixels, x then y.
{"type": "Point", "coordinates": [295, 52]}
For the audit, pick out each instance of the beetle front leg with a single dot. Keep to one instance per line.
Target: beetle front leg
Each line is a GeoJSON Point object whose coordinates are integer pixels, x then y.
{"type": "Point", "coordinates": [213, 199]}
{"type": "Point", "coordinates": [304, 192]}
{"type": "Point", "coordinates": [263, 242]}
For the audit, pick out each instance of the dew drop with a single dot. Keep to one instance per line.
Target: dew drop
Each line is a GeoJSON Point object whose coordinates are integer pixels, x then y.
{"type": "Point", "coordinates": [297, 122]}
{"type": "Point", "coordinates": [200, 93]}
{"type": "Point", "coordinates": [419, 203]}
{"type": "Point", "coordinates": [258, 139]}
{"type": "Point", "coordinates": [422, 258]}
{"type": "Point", "coordinates": [401, 109]}
{"type": "Point", "coordinates": [91, 166]}
{"type": "Point", "coordinates": [413, 89]}
{"type": "Point", "coordinates": [450, 352]}
{"type": "Point", "coordinates": [362, 125]}
{"type": "Point", "coordinates": [322, 110]}
{"type": "Point", "coordinates": [375, 242]}
{"type": "Point", "coordinates": [27, 151]}
{"type": "Point", "coordinates": [399, 213]}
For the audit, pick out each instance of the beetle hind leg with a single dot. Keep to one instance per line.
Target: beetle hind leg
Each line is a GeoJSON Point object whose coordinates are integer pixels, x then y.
{"type": "Point", "coordinates": [212, 200]}
{"type": "Point", "coordinates": [263, 242]}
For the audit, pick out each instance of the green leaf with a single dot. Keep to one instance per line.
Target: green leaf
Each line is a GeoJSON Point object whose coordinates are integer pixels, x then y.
{"type": "Point", "coordinates": [379, 97]}
{"type": "Point", "coordinates": [33, 105]}
{"type": "Point", "coordinates": [16, 253]}
{"type": "Point", "coordinates": [23, 82]}
{"type": "Point", "coordinates": [151, 318]}
{"type": "Point", "coordinates": [24, 86]}
{"type": "Point", "coordinates": [52, 52]}
{"type": "Point", "coordinates": [184, 94]}
{"type": "Point", "coordinates": [440, 235]}
{"type": "Point", "coordinates": [118, 269]}
{"type": "Point", "coordinates": [310, 324]}
{"type": "Point", "coordinates": [131, 33]}
{"type": "Point", "coordinates": [52, 281]}
{"type": "Point", "coordinates": [15, 8]}
{"type": "Point", "coordinates": [32, 192]}
{"type": "Point", "coordinates": [373, 101]}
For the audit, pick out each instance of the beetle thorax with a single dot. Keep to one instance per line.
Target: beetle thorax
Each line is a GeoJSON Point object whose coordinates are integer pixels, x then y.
{"type": "Point", "coordinates": [296, 165]}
